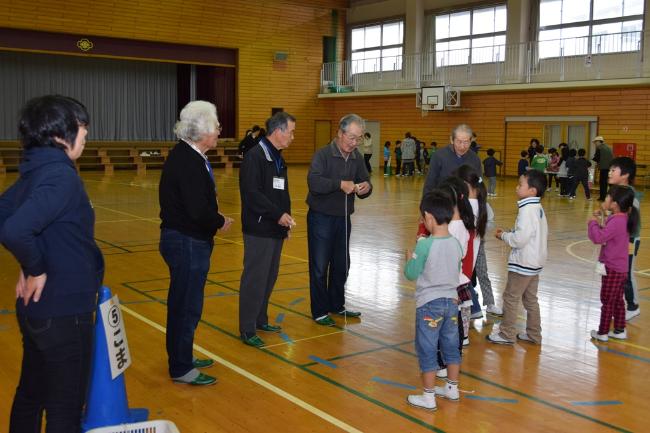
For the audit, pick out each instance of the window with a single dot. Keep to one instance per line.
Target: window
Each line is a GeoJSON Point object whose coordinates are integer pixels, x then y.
{"type": "Point", "coordinates": [377, 47]}
{"type": "Point", "coordinates": [581, 27]}
{"type": "Point", "coordinates": [477, 36]}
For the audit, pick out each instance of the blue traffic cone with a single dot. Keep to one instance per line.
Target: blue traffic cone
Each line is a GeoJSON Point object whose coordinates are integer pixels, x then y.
{"type": "Point", "coordinates": [106, 404]}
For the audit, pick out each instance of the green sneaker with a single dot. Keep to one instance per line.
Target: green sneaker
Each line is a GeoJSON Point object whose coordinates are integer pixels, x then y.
{"type": "Point", "coordinates": [270, 328]}
{"type": "Point", "coordinates": [202, 363]}
{"type": "Point", "coordinates": [201, 379]}
{"type": "Point", "coordinates": [348, 313]}
{"type": "Point", "coordinates": [325, 321]}
{"type": "Point", "coordinates": [254, 341]}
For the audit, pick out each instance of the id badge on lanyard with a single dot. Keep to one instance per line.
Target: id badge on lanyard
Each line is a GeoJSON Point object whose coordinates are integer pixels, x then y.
{"type": "Point", "coordinates": [278, 182]}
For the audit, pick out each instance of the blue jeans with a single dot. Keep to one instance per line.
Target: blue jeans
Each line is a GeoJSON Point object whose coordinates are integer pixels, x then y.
{"type": "Point", "coordinates": [329, 261]}
{"type": "Point", "coordinates": [54, 373]}
{"type": "Point", "coordinates": [437, 322]}
{"type": "Point", "coordinates": [188, 260]}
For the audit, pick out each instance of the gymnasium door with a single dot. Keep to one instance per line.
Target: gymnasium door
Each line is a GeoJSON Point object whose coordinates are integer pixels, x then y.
{"type": "Point", "coordinates": [322, 134]}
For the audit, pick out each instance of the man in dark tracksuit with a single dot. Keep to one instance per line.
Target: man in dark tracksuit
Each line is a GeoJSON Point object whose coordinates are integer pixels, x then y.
{"type": "Point", "coordinates": [266, 220]}
{"type": "Point", "coordinates": [336, 174]}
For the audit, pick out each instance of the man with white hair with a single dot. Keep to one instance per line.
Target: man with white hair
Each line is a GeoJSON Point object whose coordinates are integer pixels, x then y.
{"type": "Point", "coordinates": [337, 173]}
{"type": "Point", "coordinates": [446, 160]}
{"type": "Point", "coordinates": [190, 218]}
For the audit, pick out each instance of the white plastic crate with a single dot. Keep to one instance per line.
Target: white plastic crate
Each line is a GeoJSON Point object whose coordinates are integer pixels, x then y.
{"type": "Point", "coordinates": [158, 426]}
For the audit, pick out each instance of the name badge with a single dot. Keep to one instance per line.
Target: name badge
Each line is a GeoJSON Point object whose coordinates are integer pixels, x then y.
{"type": "Point", "coordinates": [278, 182]}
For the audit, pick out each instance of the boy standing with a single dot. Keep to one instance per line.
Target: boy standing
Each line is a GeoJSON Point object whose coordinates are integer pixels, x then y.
{"type": "Point", "coordinates": [581, 175]}
{"type": "Point", "coordinates": [539, 161]}
{"type": "Point", "coordinates": [622, 171]}
{"type": "Point", "coordinates": [436, 265]}
{"type": "Point", "coordinates": [522, 167]}
{"type": "Point", "coordinates": [490, 170]}
{"type": "Point", "coordinates": [527, 258]}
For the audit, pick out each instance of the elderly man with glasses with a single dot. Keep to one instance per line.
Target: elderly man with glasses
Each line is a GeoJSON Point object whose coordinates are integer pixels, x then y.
{"type": "Point", "coordinates": [336, 175]}
{"type": "Point", "coordinates": [446, 160]}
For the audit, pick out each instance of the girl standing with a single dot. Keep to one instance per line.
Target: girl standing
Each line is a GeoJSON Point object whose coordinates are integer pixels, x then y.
{"type": "Point", "coordinates": [614, 236]}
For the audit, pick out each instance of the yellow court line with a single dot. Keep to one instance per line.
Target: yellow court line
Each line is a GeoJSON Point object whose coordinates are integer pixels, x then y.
{"type": "Point", "coordinates": [625, 343]}
{"type": "Point", "coordinates": [266, 346]}
{"type": "Point", "coordinates": [293, 399]}
{"type": "Point", "coordinates": [571, 253]}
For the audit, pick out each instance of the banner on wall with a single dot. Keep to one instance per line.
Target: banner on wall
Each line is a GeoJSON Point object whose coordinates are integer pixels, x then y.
{"type": "Point", "coordinates": [625, 149]}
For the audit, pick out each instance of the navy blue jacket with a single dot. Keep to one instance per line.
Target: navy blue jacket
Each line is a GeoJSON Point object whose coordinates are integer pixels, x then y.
{"type": "Point", "coordinates": [262, 204]}
{"type": "Point", "coordinates": [47, 223]}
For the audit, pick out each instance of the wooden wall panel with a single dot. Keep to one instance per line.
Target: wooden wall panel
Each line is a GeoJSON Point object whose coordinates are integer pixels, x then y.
{"type": "Point", "coordinates": [623, 116]}
{"type": "Point", "coordinates": [257, 28]}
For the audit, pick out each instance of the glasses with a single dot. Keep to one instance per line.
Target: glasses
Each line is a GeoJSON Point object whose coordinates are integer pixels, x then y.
{"type": "Point", "coordinates": [354, 138]}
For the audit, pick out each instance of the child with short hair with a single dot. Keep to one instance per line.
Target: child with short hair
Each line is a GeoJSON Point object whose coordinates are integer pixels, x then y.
{"type": "Point", "coordinates": [490, 170]}
{"type": "Point", "coordinates": [622, 171]}
{"type": "Point", "coordinates": [522, 167]}
{"type": "Point", "coordinates": [613, 235]}
{"type": "Point", "coordinates": [581, 175]}
{"type": "Point", "coordinates": [435, 265]}
{"type": "Point", "coordinates": [386, 158]}
{"type": "Point", "coordinates": [539, 161]}
{"type": "Point", "coordinates": [528, 241]}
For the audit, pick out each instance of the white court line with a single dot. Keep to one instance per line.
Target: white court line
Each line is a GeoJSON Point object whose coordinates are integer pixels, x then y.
{"type": "Point", "coordinates": [645, 272]}
{"type": "Point", "coordinates": [293, 399]}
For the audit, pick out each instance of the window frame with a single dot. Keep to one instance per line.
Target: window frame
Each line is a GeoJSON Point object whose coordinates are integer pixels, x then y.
{"type": "Point", "coordinates": [590, 24]}
{"type": "Point", "coordinates": [381, 48]}
{"type": "Point", "coordinates": [471, 37]}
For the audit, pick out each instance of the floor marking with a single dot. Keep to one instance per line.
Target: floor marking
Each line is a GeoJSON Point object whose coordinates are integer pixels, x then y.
{"type": "Point", "coordinates": [279, 318]}
{"type": "Point", "coordinates": [617, 352]}
{"type": "Point", "coordinates": [569, 251]}
{"type": "Point", "coordinates": [626, 343]}
{"type": "Point", "coordinates": [494, 399]}
{"type": "Point", "coordinates": [293, 399]}
{"type": "Point", "coordinates": [296, 301]}
{"type": "Point", "coordinates": [391, 383]}
{"type": "Point", "coordinates": [266, 346]}
{"type": "Point", "coordinates": [322, 361]}
{"type": "Point", "coordinates": [595, 403]}
{"type": "Point", "coordinates": [286, 338]}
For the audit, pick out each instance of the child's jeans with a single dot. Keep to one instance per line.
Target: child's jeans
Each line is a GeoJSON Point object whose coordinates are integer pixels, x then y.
{"type": "Point", "coordinates": [437, 321]}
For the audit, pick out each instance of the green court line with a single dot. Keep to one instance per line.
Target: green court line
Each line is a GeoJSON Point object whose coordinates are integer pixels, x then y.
{"type": "Point", "coordinates": [362, 352]}
{"type": "Point", "coordinates": [112, 245]}
{"type": "Point", "coordinates": [473, 376]}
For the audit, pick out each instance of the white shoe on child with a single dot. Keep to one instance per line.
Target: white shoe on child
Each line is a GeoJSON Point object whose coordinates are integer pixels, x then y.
{"type": "Point", "coordinates": [448, 391]}
{"type": "Point", "coordinates": [631, 314]}
{"type": "Point", "coordinates": [600, 337]}
{"type": "Point", "coordinates": [426, 401]}
{"type": "Point", "coordinates": [477, 315]}
{"type": "Point", "coordinates": [494, 310]}
{"type": "Point", "coordinates": [494, 337]}
{"type": "Point", "coordinates": [442, 373]}
{"type": "Point", "coordinates": [523, 336]}
{"type": "Point", "coordinates": [618, 335]}
{"type": "Point", "coordinates": [465, 341]}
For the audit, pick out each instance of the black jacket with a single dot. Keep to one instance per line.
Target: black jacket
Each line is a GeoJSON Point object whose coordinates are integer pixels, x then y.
{"type": "Point", "coordinates": [48, 224]}
{"type": "Point", "coordinates": [187, 195]}
{"type": "Point", "coordinates": [262, 202]}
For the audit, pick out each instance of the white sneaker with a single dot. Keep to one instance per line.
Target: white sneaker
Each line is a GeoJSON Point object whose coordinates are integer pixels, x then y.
{"type": "Point", "coordinates": [494, 310]}
{"type": "Point", "coordinates": [448, 391]}
{"type": "Point", "coordinates": [631, 314]}
{"type": "Point", "coordinates": [466, 341]}
{"type": "Point", "coordinates": [477, 315]}
{"type": "Point", "coordinates": [600, 337]}
{"type": "Point", "coordinates": [524, 337]}
{"type": "Point", "coordinates": [497, 339]}
{"type": "Point", "coordinates": [618, 335]}
{"type": "Point", "coordinates": [423, 401]}
{"type": "Point", "coordinates": [442, 373]}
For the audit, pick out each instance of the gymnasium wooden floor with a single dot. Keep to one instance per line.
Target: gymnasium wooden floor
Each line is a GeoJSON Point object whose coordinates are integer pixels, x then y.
{"type": "Point", "coordinates": [355, 377]}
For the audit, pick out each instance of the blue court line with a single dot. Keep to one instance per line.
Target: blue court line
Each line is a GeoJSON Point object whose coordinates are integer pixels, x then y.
{"type": "Point", "coordinates": [279, 318]}
{"type": "Point", "coordinates": [7, 312]}
{"type": "Point", "coordinates": [627, 355]}
{"type": "Point", "coordinates": [595, 403]}
{"type": "Point", "coordinates": [391, 383]}
{"type": "Point", "coordinates": [322, 361]}
{"type": "Point", "coordinates": [219, 294]}
{"type": "Point", "coordinates": [494, 399]}
{"type": "Point", "coordinates": [286, 338]}
{"type": "Point", "coordinates": [296, 301]}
